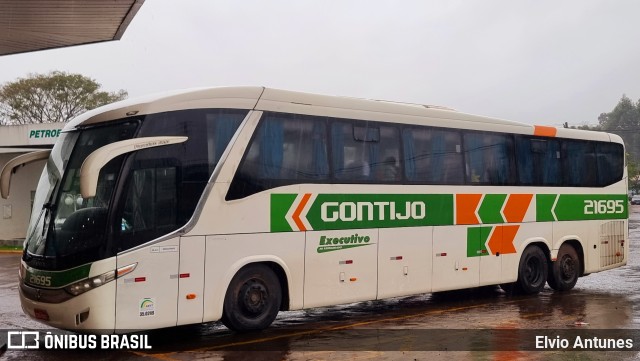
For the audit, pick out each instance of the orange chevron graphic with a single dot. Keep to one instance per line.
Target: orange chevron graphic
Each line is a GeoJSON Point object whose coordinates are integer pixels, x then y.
{"type": "Point", "coordinates": [501, 240]}
{"type": "Point", "coordinates": [466, 205]}
{"type": "Point", "coordinates": [298, 211]}
{"type": "Point", "coordinates": [495, 242]}
{"type": "Point", "coordinates": [516, 207]}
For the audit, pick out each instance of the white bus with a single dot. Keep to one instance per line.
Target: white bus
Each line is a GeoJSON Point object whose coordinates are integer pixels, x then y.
{"type": "Point", "coordinates": [234, 204]}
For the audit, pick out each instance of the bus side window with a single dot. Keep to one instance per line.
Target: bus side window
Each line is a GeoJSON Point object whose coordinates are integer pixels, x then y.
{"type": "Point", "coordinates": [151, 205]}
{"type": "Point", "coordinates": [538, 161]}
{"type": "Point", "coordinates": [353, 148]}
{"type": "Point", "coordinates": [365, 152]}
{"type": "Point", "coordinates": [610, 158]}
{"type": "Point", "coordinates": [286, 149]}
{"type": "Point", "coordinates": [489, 158]}
{"type": "Point", "coordinates": [578, 159]}
{"type": "Point", "coordinates": [432, 156]}
{"type": "Point", "coordinates": [388, 170]}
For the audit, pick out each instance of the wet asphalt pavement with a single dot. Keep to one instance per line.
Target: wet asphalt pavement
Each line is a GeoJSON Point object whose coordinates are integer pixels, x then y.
{"type": "Point", "coordinates": [471, 325]}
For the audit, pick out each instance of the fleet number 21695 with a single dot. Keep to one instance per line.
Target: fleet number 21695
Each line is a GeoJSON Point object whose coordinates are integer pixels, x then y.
{"type": "Point", "coordinates": [40, 280]}
{"type": "Point", "coordinates": [603, 206]}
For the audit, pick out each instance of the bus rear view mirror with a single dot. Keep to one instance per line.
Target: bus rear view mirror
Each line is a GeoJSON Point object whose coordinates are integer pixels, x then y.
{"type": "Point", "coordinates": [12, 166]}
{"type": "Point", "coordinates": [90, 169]}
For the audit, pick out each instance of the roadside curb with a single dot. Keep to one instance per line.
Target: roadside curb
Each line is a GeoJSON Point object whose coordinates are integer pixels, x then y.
{"type": "Point", "coordinates": [16, 244]}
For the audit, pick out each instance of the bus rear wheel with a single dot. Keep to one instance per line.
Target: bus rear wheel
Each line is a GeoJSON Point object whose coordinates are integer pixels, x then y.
{"type": "Point", "coordinates": [564, 272]}
{"type": "Point", "coordinates": [532, 273]}
{"type": "Point", "coordinates": [252, 300]}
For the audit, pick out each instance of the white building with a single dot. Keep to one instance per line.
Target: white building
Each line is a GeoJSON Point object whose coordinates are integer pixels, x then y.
{"type": "Point", "coordinates": [16, 140]}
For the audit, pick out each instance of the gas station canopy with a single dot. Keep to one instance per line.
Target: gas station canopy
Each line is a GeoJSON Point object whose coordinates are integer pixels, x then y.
{"type": "Point", "coordinates": [31, 25]}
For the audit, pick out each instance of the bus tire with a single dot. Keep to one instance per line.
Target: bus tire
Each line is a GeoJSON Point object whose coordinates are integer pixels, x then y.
{"type": "Point", "coordinates": [564, 272]}
{"type": "Point", "coordinates": [252, 300]}
{"type": "Point", "coordinates": [532, 272]}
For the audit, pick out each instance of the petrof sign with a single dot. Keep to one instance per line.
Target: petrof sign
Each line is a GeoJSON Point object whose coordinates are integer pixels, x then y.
{"type": "Point", "coordinates": [44, 133]}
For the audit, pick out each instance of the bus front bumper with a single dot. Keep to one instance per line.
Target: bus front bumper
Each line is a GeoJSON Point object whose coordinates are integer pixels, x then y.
{"type": "Point", "coordinates": [92, 311]}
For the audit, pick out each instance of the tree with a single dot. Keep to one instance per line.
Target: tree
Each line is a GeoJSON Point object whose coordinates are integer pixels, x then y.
{"type": "Point", "coordinates": [624, 120]}
{"type": "Point", "coordinates": [625, 116]}
{"type": "Point", "coordinates": [53, 97]}
{"type": "Point", "coordinates": [633, 173]}
{"type": "Point", "coordinates": [585, 126]}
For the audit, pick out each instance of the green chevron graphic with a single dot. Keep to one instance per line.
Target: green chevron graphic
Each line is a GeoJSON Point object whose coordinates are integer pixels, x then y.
{"type": "Point", "coordinates": [544, 204]}
{"type": "Point", "coordinates": [477, 240]}
{"type": "Point", "coordinates": [489, 210]}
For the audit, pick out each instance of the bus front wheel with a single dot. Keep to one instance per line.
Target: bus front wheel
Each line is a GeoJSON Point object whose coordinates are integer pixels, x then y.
{"type": "Point", "coordinates": [564, 272]}
{"type": "Point", "coordinates": [532, 272]}
{"type": "Point", "coordinates": [252, 300]}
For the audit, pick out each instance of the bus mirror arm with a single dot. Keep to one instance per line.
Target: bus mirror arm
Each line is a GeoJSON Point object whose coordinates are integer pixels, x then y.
{"type": "Point", "coordinates": [12, 166]}
{"type": "Point", "coordinates": [90, 169]}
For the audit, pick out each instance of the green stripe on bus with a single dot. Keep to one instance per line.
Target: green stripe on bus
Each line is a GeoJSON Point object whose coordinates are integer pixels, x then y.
{"type": "Point", "coordinates": [352, 211]}
{"type": "Point", "coordinates": [578, 207]}
{"type": "Point", "coordinates": [581, 207]}
{"type": "Point", "coordinates": [56, 279]}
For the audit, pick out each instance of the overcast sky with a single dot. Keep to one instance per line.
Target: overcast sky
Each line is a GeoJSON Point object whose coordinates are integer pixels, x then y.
{"type": "Point", "coordinates": [538, 62]}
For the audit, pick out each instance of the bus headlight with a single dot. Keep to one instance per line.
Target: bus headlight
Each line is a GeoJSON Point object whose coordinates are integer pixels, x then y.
{"type": "Point", "coordinates": [90, 283]}
{"type": "Point", "coordinates": [85, 285]}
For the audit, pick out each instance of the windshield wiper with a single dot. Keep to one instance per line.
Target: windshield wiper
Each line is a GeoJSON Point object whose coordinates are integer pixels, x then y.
{"type": "Point", "coordinates": [46, 211]}
{"type": "Point", "coordinates": [47, 207]}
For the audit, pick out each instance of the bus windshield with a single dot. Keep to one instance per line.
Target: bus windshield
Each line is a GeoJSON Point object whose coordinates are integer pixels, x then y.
{"type": "Point", "coordinates": [140, 196]}
{"type": "Point", "coordinates": [65, 223]}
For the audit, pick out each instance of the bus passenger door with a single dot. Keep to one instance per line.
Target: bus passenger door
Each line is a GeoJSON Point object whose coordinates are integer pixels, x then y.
{"type": "Point", "coordinates": [453, 265]}
{"type": "Point", "coordinates": [191, 280]}
{"type": "Point", "coordinates": [147, 296]}
{"type": "Point", "coordinates": [340, 266]}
